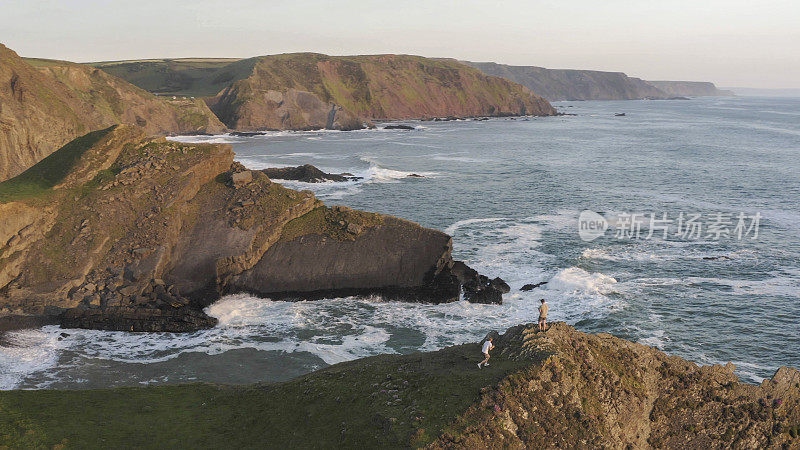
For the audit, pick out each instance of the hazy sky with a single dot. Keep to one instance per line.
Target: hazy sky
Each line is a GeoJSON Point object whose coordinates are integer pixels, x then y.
{"type": "Point", "coordinates": [732, 42]}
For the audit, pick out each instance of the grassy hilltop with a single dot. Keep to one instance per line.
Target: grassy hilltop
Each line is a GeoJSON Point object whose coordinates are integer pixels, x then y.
{"type": "Point", "coordinates": [191, 77]}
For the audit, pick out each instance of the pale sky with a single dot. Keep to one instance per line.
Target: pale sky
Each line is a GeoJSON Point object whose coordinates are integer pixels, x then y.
{"type": "Point", "coordinates": [732, 42]}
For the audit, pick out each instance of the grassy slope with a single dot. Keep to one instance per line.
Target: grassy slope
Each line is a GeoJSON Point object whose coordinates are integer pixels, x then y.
{"type": "Point", "coordinates": [48, 172]}
{"type": "Point", "coordinates": [196, 77]}
{"type": "Point", "coordinates": [382, 401]}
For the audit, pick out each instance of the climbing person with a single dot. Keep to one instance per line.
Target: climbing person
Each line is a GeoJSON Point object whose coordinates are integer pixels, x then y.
{"type": "Point", "coordinates": [543, 308]}
{"type": "Point", "coordinates": [488, 345]}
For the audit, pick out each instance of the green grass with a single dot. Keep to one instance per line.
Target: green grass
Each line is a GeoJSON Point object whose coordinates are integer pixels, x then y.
{"type": "Point", "coordinates": [48, 172]}
{"type": "Point", "coordinates": [384, 401]}
{"type": "Point", "coordinates": [195, 77]}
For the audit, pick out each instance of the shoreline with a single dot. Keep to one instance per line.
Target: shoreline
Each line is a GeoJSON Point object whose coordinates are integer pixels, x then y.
{"type": "Point", "coordinates": [20, 323]}
{"type": "Point", "coordinates": [561, 380]}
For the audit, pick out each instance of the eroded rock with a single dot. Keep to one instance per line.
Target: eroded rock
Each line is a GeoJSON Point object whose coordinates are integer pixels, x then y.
{"type": "Point", "coordinates": [307, 174]}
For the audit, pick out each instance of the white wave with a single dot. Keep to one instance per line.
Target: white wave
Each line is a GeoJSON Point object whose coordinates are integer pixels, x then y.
{"type": "Point", "coordinates": [202, 139]}
{"type": "Point", "coordinates": [374, 173]}
{"type": "Point", "coordinates": [28, 351]}
{"type": "Point", "coordinates": [461, 223]}
{"type": "Point", "coordinates": [575, 279]}
{"type": "Point", "coordinates": [333, 330]}
{"type": "Point", "coordinates": [514, 255]}
{"type": "Point", "coordinates": [777, 284]}
{"type": "Point", "coordinates": [228, 138]}
{"type": "Point", "coordinates": [562, 219]}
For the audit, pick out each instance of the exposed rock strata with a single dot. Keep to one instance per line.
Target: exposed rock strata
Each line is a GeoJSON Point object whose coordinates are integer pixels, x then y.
{"type": "Point", "coordinates": [313, 91]}
{"type": "Point", "coordinates": [142, 233]}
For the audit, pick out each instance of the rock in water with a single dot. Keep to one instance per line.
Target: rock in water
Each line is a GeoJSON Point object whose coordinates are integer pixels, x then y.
{"type": "Point", "coordinates": [479, 288]}
{"type": "Point", "coordinates": [306, 173]}
{"type": "Point", "coordinates": [398, 127]}
{"type": "Point", "coordinates": [530, 287]}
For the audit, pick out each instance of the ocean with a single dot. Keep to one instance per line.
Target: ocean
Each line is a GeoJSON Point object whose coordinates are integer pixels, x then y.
{"type": "Point", "coordinates": [701, 257]}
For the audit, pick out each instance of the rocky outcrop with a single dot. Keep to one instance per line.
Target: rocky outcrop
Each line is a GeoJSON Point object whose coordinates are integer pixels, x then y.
{"type": "Point", "coordinates": [690, 89]}
{"type": "Point", "coordinates": [479, 288]}
{"type": "Point", "coordinates": [45, 106]}
{"type": "Point", "coordinates": [599, 391]}
{"type": "Point", "coordinates": [307, 174]}
{"type": "Point", "coordinates": [139, 234]}
{"type": "Point", "coordinates": [312, 91]}
{"type": "Point", "coordinates": [338, 252]}
{"type": "Point", "coordinates": [567, 84]}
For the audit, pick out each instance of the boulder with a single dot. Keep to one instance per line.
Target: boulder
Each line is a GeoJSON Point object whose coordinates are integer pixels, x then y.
{"type": "Point", "coordinates": [240, 179]}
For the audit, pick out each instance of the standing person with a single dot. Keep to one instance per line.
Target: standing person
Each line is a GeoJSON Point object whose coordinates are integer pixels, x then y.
{"type": "Point", "coordinates": [488, 345]}
{"type": "Point", "coordinates": [543, 308]}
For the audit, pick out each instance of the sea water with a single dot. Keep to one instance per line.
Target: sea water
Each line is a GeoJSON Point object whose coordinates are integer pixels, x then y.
{"type": "Point", "coordinates": [510, 192]}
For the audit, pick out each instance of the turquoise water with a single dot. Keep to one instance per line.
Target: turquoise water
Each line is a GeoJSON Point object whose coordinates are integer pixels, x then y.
{"type": "Point", "coordinates": [510, 192]}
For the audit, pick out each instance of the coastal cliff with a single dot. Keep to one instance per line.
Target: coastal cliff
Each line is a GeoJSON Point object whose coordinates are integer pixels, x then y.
{"type": "Point", "coordinates": [119, 231]}
{"type": "Point", "coordinates": [45, 104]}
{"type": "Point", "coordinates": [690, 88]}
{"type": "Point", "coordinates": [309, 90]}
{"type": "Point", "coordinates": [566, 84]}
{"type": "Point", "coordinates": [556, 389]}
{"type": "Point", "coordinates": [569, 84]}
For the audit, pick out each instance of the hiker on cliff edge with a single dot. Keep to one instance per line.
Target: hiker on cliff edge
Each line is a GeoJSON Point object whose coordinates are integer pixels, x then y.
{"type": "Point", "coordinates": [488, 345]}
{"type": "Point", "coordinates": [543, 308]}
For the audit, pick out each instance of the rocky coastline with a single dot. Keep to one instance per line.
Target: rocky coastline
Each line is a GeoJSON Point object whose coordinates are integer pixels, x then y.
{"type": "Point", "coordinates": [141, 234]}
{"type": "Point", "coordinates": [561, 388]}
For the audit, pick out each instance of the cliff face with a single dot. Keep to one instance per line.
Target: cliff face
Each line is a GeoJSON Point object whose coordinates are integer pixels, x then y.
{"type": "Point", "coordinates": [42, 108]}
{"type": "Point", "coordinates": [307, 90]}
{"type": "Point", "coordinates": [558, 389]}
{"type": "Point", "coordinates": [690, 88]}
{"type": "Point", "coordinates": [140, 234]}
{"type": "Point", "coordinates": [562, 84]}
{"type": "Point", "coordinates": [311, 91]}
{"type": "Point", "coordinates": [565, 84]}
